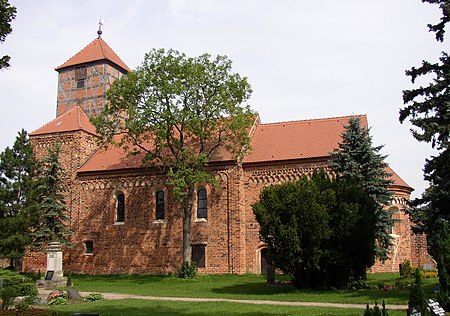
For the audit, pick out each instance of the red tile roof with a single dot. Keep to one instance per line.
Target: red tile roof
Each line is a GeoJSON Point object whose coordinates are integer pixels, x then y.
{"type": "Point", "coordinates": [297, 139]}
{"type": "Point", "coordinates": [271, 142]}
{"type": "Point", "coordinates": [73, 120]}
{"type": "Point", "coordinates": [95, 51]}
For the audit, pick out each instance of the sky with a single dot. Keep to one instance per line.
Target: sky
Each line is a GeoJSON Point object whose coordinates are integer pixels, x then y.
{"type": "Point", "coordinates": [303, 59]}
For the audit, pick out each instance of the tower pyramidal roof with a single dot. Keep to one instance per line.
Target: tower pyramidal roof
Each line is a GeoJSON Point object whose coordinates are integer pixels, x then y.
{"type": "Point", "coordinates": [97, 50]}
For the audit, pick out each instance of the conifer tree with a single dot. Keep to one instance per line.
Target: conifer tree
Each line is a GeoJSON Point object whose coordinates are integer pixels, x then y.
{"type": "Point", "coordinates": [17, 165]}
{"type": "Point", "coordinates": [428, 108]}
{"type": "Point", "coordinates": [357, 159]}
{"type": "Point", "coordinates": [53, 219]}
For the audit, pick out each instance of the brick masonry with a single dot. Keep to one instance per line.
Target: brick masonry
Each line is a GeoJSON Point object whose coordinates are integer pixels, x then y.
{"type": "Point", "coordinates": [143, 244]}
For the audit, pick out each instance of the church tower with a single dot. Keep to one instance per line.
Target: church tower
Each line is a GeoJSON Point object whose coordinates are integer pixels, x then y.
{"type": "Point", "coordinates": [84, 79]}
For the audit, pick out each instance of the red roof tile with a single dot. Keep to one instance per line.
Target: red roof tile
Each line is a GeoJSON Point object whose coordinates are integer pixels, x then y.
{"type": "Point", "coordinates": [271, 142]}
{"type": "Point", "coordinates": [73, 120]}
{"type": "Point", "coordinates": [297, 139]}
{"type": "Point", "coordinates": [96, 50]}
{"type": "Point", "coordinates": [397, 180]}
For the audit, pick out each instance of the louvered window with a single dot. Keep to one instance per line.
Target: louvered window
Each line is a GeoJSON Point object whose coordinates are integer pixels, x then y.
{"type": "Point", "coordinates": [80, 76]}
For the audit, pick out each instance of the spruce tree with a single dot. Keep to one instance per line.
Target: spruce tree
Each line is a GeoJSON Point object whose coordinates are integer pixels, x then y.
{"type": "Point", "coordinates": [357, 159]}
{"type": "Point", "coordinates": [17, 165]}
{"type": "Point", "coordinates": [53, 219]}
{"type": "Point", "coordinates": [427, 107]}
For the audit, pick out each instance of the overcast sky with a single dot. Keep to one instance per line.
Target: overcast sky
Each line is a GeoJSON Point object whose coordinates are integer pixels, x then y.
{"type": "Point", "coordinates": [304, 59]}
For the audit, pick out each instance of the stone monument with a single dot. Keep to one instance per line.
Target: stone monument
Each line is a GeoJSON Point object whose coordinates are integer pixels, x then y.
{"type": "Point", "coordinates": [54, 276]}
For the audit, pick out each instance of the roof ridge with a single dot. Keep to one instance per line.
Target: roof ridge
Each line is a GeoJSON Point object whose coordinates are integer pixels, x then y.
{"type": "Point", "coordinates": [315, 119]}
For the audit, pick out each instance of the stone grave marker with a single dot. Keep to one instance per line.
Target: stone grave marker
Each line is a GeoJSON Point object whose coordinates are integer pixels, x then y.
{"type": "Point", "coordinates": [435, 308]}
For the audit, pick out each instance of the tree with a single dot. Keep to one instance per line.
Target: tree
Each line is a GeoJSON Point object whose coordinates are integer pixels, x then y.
{"type": "Point", "coordinates": [179, 111]}
{"type": "Point", "coordinates": [7, 14]}
{"type": "Point", "coordinates": [319, 231]}
{"type": "Point", "coordinates": [17, 165]}
{"type": "Point", "coordinates": [427, 108]}
{"type": "Point", "coordinates": [52, 222]}
{"type": "Point", "coordinates": [357, 159]}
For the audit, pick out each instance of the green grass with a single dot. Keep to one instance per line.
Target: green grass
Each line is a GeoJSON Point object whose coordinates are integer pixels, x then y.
{"type": "Point", "coordinates": [140, 307]}
{"type": "Point", "coordinates": [242, 287]}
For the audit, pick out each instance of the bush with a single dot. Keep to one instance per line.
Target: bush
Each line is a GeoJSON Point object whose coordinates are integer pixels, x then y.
{"type": "Point", "coordinates": [376, 311]}
{"type": "Point", "coordinates": [16, 285]}
{"type": "Point", "coordinates": [406, 269]}
{"type": "Point", "coordinates": [7, 295]}
{"type": "Point", "coordinates": [416, 294]}
{"type": "Point", "coordinates": [187, 271]}
{"type": "Point", "coordinates": [93, 297]}
{"type": "Point", "coordinates": [58, 301]}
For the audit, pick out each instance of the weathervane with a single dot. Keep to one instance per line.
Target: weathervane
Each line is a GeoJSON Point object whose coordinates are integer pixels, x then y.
{"type": "Point", "coordinates": [100, 24]}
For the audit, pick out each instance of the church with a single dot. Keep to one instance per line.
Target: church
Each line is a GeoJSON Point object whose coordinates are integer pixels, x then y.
{"type": "Point", "coordinates": [122, 215]}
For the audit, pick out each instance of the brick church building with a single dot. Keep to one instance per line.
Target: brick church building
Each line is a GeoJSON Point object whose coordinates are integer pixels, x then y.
{"type": "Point", "coordinates": [122, 216]}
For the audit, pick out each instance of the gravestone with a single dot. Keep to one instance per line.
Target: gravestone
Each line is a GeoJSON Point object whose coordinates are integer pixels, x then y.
{"type": "Point", "coordinates": [413, 312]}
{"type": "Point", "coordinates": [54, 276]}
{"type": "Point", "coordinates": [435, 308]}
{"type": "Point", "coordinates": [73, 294]}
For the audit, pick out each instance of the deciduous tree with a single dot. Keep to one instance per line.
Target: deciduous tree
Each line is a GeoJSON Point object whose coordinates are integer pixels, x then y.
{"type": "Point", "coordinates": [179, 111]}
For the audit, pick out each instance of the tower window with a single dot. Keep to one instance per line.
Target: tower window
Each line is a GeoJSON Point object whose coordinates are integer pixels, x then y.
{"type": "Point", "coordinates": [80, 76]}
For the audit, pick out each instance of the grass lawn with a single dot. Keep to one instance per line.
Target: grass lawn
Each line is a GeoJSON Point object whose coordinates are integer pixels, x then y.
{"type": "Point", "coordinates": [244, 287]}
{"type": "Point", "coordinates": [140, 307]}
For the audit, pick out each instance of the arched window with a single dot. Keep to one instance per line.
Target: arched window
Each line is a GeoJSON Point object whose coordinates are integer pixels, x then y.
{"type": "Point", "coordinates": [159, 204]}
{"type": "Point", "coordinates": [202, 203]}
{"type": "Point", "coordinates": [393, 211]}
{"type": "Point", "coordinates": [120, 207]}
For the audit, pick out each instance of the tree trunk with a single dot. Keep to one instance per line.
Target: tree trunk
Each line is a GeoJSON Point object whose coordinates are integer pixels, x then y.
{"type": "Point", "coordinates": [187, 215]}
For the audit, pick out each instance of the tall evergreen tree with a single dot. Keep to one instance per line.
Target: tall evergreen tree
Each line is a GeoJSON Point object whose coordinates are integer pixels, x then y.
{"type": "Point", "coordinates": [357, 159]}
{"type": "Point", "coordinates": [17, 165]}
{"type": "Point", "coordinates": [53, 219]}
{"type": "Point", "coordinates": [7, 14]}
{"type": "Point", "coordinates": [428, 108]}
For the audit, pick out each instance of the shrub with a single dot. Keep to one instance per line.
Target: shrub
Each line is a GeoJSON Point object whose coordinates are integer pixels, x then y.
{"type": "Point", "coordinates": [16, 285]}
{"type": "Point", "coordinates": [376, 311]}
{"type": "Point", "coordinates": [187, 271]}
{"type": "Point", "coordinates": [406, 270]}
{"type": "Point", "coordinates": [58, 301]}
{"type": "Point", "coordinates": [416, 294]}
{"type": "Point", "coordinates": [93, 297]}
{"type": "Point", "coordinates": [7, 296]}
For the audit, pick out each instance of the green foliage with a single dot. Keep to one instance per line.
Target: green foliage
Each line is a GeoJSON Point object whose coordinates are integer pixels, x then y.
{"type": "Point", "coordinates": [17, 168]}
{"type": "Point", "coordinates": [58, 301]}
{"type": "Point", "coordinates": [53, 219]}
{"type": "Point", "coordinates": [16, 285]}
{"type": "Point", "coordinates": [187, 270]}
{"type": "Point", "coordinates": [92, 297]}
{"type": "Point", "coordinates": [427, 108]}
{"type": "Point", "coordinates": [416, 294]}
{"type": "Point", "coordinates": [376, 311]}
{"type": "Point", "coordinates": [406, 270]}
{"type": "Point", "coordinates": [7, 15]}
{"type": "Point", "coordinates": [357, 159]}
{"type": "Point", "coordinates": [319, 231]}
{"type": "Point", "coordinates": [181, 112]}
